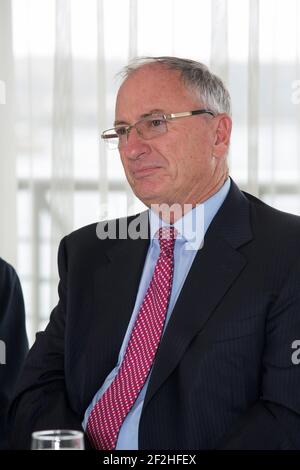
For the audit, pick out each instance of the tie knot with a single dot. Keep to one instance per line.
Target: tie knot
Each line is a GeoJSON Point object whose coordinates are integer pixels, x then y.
{"type": "Point", "coordinates": [166, 236]}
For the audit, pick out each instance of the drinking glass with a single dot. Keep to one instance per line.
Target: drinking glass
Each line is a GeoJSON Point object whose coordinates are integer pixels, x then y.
{"type": "Point", "coordinates": [57, 439]}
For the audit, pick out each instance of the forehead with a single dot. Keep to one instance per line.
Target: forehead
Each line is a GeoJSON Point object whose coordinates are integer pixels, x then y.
{"type": "Point", "coordinates": [153, 87]}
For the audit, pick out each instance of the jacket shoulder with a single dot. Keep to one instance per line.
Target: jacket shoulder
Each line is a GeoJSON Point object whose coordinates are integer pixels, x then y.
{"type": "Point", "coordinates": [273, 221]}
{"type": "Point", "coordinates": [100, 235]}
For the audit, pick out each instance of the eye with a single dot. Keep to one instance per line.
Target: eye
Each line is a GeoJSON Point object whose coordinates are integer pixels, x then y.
{"type": "Point", "coordinates": [121, 131]}
{"type": "Point", "coordinates": [157, 122]}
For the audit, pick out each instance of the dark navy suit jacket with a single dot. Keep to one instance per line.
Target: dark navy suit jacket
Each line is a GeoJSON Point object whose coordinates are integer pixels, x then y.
{"type": "Point", "coordinates": [223, 377]}
{"type": "Point", "coordinates": [13, 339]}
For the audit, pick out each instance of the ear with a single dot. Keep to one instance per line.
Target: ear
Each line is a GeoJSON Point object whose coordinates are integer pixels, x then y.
{"type": "Point", "coordinates": [222, 135]}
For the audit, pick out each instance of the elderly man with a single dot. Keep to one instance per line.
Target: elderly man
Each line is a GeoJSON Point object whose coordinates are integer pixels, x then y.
{"type": "Point", "coordinates": [164, 342]}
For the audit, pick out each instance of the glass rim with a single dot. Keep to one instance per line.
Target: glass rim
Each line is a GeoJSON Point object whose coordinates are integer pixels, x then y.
{"type": "Point", "coordinates": [112, 130]}
{"type": "Point", "coordinates": [64, 434]}
{"type": "Point", "coordinates": [112, 140]}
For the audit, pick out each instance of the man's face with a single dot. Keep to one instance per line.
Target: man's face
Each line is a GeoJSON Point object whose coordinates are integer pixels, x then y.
{"type": "Point", "coordinates": [175, 167]}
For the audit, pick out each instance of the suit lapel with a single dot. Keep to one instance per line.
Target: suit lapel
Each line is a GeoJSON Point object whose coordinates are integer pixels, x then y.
{"type": "Point", "coordinates": [215, 268]}
{"type": "Point", "coordinates": [116, 283]}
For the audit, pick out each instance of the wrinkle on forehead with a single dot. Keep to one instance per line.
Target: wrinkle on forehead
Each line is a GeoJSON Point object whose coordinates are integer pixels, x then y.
{"type": "Point", "coordinates": [154, 86]}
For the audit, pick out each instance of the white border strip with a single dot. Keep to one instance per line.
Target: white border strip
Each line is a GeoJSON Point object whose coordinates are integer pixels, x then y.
{"type": "Point", "coordinates": [2, 92]}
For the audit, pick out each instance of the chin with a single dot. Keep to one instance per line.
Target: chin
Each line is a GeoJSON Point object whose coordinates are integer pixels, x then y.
{"type": "Point", "coordinates": [149, 198]}
{"type": "Point", "coordinates": [148, 192]}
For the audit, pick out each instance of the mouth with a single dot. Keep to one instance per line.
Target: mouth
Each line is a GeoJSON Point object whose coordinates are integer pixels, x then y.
{"type": "Point", "coordinates": [143, 172]}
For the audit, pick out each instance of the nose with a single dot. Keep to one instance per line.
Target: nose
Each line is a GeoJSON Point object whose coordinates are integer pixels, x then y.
{"type": "Point", "coordinates": [135, 146]}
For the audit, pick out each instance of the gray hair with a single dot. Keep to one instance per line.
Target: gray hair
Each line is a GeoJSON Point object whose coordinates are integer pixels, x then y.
{"type": "Point", "coordinates": [196, 76]}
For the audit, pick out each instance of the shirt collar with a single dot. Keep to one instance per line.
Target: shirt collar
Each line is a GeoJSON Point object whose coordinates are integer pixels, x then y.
{"type": "Point", "coordinates": [204, 213]}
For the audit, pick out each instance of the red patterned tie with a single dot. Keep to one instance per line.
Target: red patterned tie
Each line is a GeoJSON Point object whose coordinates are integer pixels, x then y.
{"type": "Point", "coordinates": [108, 414]}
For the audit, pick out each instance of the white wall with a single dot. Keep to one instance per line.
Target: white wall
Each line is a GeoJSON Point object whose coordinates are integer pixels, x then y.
{"type": "Point", "coordinates": [8, 235]}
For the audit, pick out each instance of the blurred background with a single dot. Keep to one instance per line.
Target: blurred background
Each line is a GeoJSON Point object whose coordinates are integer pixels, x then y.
{"type": "Point", "coordinates": [58, 66]}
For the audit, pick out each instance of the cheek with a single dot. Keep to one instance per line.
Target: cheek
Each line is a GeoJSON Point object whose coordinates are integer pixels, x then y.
{"type": "Point", "coordinates": [194, 162]}
{"type": "Point", "coordinates": [198, 148]}
{"type": "Point", "coordinates": [123, 161]}
{"type": "Point", "coordinates": [174, 151]}
{"type": "Point", "coordinates": [126, 169]}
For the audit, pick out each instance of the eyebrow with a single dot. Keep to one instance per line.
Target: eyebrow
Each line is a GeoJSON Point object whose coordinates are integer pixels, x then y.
{"type": "Point", "coordinates": [150, 113]}
{"type": "Point", "coordinates": [153, 111]}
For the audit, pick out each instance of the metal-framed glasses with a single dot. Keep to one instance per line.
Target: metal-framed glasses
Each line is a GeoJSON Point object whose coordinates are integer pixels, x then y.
{"type": "Point", "coordinates": [148, 127]}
